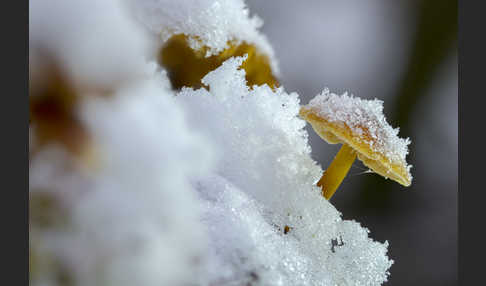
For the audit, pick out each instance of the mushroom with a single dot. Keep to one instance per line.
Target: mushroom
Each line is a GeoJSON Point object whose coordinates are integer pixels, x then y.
{"type": "Point", "coordinates": [186, 66]}
{"type": "Point", "coordinates": [361, 127]}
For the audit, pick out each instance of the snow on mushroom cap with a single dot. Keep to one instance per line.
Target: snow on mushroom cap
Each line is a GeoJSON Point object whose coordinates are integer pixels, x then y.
{"type": "Point", "coordinates": [367, 124]}
{"type": "Point", "coordinates": [208, 23]}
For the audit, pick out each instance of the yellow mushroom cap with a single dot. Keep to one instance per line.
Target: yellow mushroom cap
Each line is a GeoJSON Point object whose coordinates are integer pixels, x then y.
{"type": "Point", "coordinates": [360, 124]}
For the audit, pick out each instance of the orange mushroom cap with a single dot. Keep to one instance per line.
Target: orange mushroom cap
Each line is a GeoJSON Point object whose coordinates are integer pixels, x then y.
{"type": "Point", "coordinates": [360, 124]}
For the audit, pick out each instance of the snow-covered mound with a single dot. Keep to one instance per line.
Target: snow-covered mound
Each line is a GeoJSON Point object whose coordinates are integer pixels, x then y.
{"type": "Point", "coordinates": [264, 180]}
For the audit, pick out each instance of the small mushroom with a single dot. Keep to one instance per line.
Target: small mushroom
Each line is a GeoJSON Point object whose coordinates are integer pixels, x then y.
{"type": "Point", "coordinates": [362, 129]}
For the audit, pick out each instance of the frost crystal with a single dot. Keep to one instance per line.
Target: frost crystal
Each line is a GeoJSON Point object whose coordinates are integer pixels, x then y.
{"type": "Point", "coordinates": [362, 116]}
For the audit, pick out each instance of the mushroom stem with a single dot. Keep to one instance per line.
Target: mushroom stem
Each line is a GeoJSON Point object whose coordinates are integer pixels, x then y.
{"type": "Point", "coordinates": [335, 173]}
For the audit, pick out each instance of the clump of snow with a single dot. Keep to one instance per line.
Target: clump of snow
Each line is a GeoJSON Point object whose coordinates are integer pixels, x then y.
{"type": "Point", "coordinates": [362, 116]}
{"type": "Point", "coordinates": [210, 23]}
{"type": "Point", "coordinates": [133, 219]}
{"type": "Point", "coordinates": [265, 180]}
{"type": "Point", "coordinates": [94, 43]}
{"type": "Point", "coordinates": [154, 207]}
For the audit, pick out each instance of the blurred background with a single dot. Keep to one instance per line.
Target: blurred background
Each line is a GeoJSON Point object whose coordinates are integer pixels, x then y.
{"type": "Point", "coordinates": [403, 52]}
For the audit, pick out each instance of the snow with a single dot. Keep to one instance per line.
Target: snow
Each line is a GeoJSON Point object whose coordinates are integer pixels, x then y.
{"type": "Point", "coordinates": [362, 116]}
{"type": "Point", "coordinates": [83, 39]}
{"type": "Point", "coordinates": [136, 213]}
{"type": "Point", "coordinates": [265, 177]}
{"type": "Point", "coordinates": [199, 187]}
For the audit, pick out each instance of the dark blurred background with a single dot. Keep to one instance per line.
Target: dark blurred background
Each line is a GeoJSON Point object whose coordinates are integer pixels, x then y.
{"type": "Point", "coordinates": [405, 53]}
